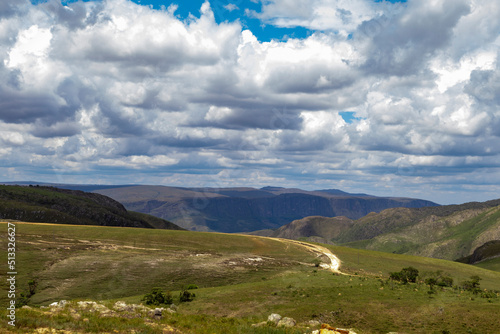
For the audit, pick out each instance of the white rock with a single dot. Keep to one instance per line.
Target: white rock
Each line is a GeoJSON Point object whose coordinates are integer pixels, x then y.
{"type": "Point", "coordinates": [274, 318]}
{"type": "Point", "coordinates": [287, 322]}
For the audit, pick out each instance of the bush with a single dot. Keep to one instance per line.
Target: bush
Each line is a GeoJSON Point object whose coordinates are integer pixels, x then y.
{"type": "Point", "coordinates": [445, 281]}
{"type": "Point", "coordinates": [441, 279]}
{"type": "Point", "coordinates": [488, 294]}
{"type": "Point", "coordinates": [186, 296]}
{"type": "Point", "coordinates": [472, 284]}
{"type": "Point", "coordinates": [406, 275]}
{"type": "Point", "coordinates": [158, 297]}
{"type": "Point", "coordinates": [431, 282]}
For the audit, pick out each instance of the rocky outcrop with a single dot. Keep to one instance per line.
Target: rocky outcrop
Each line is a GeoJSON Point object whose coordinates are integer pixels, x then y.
{"type": "Point", "coordinates": [276, 320]}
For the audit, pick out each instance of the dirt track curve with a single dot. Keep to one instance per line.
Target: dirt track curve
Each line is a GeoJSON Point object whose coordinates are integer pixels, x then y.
{"type": "Point", "coordinates": [334, 264]}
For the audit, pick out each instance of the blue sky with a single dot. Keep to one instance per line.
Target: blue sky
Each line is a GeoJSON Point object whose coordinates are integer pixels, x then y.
{"type": "Point", "coordinates": [227, 10]}
{"type": "Point", "coordinates": [389, 98]}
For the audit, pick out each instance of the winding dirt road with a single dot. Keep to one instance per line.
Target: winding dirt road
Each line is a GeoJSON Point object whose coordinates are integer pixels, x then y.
{"type": "Point", "coordinates": [334, 264]}
{"type": "Point", "coordinates": [334, 260]}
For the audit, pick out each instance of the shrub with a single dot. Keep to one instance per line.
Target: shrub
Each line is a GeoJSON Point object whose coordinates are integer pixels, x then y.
{"type": "Point", "coordinates": [186, 296]}
{"type": "Point", "coordinates": [472, 284]}
{"type": "Point", "coordinates": [191, 287]}
{"type": "Point", "coordinates": [445, 281]}
{"type": "Point", "coordinates": [158, 297]}
{"type": "Point", "coordinates": [431, 282]}
{"type": "Point", "coordinates": [406, 275]}
{"type": "Point", "coordinates": [488, 294]}
{"type": "Point", "coordinates": [398, 276]}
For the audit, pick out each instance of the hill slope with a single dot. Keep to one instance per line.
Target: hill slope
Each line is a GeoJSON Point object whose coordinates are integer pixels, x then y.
{"type": "Point", "coordinates": [447, 232]}
{"type": "Point", "coordinates": [314, 228]}
{"type": "Point", "coordinates": [240, 279]}
{"type": "Point", "coordinates": [248, 209]}
{"type": "Point", "coordinates": [63, 206]}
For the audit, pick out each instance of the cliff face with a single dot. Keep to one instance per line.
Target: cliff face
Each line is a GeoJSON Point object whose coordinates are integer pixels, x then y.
{"type": "Point", "coordinates": [248, 209]}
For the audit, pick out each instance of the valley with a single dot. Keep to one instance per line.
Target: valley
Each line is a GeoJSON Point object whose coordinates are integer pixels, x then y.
{"type": "Point", "coordinates": [92, 275]}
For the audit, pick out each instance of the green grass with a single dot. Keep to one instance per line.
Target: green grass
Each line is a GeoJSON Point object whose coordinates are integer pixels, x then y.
{"type": "Point", "coordinates": [491, 264]}
{"type": "Point", "coordinates": [450, 237]}
{"type": "Point", "coordinates": [235, 289]}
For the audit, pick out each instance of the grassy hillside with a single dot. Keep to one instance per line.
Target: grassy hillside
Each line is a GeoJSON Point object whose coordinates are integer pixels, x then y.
{"type": "Point", "coordinates": [469, 232]}
{"type": "Point", "coordinates": [62, 206]}
{"type": "Point", "coordinates": [314, 228]}
{"type": "Point", "coordinates": [450, 237]}
{"type": "Point", "coordinates": [240, 279]}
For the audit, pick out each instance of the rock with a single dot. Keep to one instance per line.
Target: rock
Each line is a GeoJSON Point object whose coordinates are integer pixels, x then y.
{"type": "Point", "coordinates": [327, 329]}
{"type": "Point", "coordinates": [92, 306]}
{"type": "Point", "coordinates": [260, 324]}
{"type": "Point", "coordinates": [274, 318]}
{"type": "Point", "coordinates": [173, 307]}
{"type": "Point", "coordinates": [158, 311]}
{"type": "Point", "coordinates": [121, 306]}
{"type": "Point", "coordinates": [313, 323]}
{"type": "Point", "coordinates": [287, 322]}
{"type": "Point", "coordinates": [169, 310]}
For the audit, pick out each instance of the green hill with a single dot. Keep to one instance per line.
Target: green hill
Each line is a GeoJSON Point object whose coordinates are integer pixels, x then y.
{"type": "Point", "coordinates": [63, 206]}
{"type": "Point", "coordinates": [449, 236]}
{"type": "Point", "coordinates": [240, 280]}
{"type": "Point", "coordinates": [452, 232]}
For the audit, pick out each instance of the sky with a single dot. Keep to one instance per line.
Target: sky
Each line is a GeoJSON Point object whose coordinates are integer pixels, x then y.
{"type": "Point", "coordinates": [390, 98]}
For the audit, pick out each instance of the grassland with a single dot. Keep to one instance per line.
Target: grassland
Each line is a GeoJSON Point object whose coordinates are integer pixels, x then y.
{"type": "Point", "coordinates": [241, 280]}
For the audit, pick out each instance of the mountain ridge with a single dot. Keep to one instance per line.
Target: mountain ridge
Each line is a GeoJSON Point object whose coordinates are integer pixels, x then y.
{"type": "Point", "coordinates": [454, 232]}
{"type": "Point", "coordinates": [246, 209]}
{"type": "Point", "coordinates": [64, 206]}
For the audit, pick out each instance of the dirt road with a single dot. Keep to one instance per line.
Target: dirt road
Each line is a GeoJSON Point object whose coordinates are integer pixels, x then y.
{"type": "Point", "coordinates": [334, 264]}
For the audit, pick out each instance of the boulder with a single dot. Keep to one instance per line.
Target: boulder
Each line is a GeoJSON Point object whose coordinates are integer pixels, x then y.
{"type": "Point", "coordinates": [313, 323]}
{"type": "Point", "coordinates": [287, 322]}
{"type": "Point", "coordinates": [274, 318]}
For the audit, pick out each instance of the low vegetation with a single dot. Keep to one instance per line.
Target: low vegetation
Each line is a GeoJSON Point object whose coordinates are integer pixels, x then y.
{"type": "Point", "coordinates": [239, 281]}
{"type": "Point", "coordinates": [157, 297]}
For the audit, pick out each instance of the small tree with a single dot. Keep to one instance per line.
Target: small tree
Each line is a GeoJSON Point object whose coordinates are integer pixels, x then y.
{"type": "Point", "coordinates": [445, 281]}
{"type": "Point", "coordinates": [406, 275]}
{"type": "Point", "coordinates": [186, 296]}
{"type": "Point", "coordinates": [158, 297]}
{"type": "Point", "coordinates": [410, 273]}
{"type": "Point", "coordinates": [431, 281]}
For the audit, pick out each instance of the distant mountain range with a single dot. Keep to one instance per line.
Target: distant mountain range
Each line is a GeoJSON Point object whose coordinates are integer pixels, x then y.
{"type": "Point", "coordinates": [241, 209]}
{"type": "Point", "coordinates": [248, 209]}
{"type": "Point", "coordinates": [64, 206]}
{"type": "Point", "coordinates": [468, 232]}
